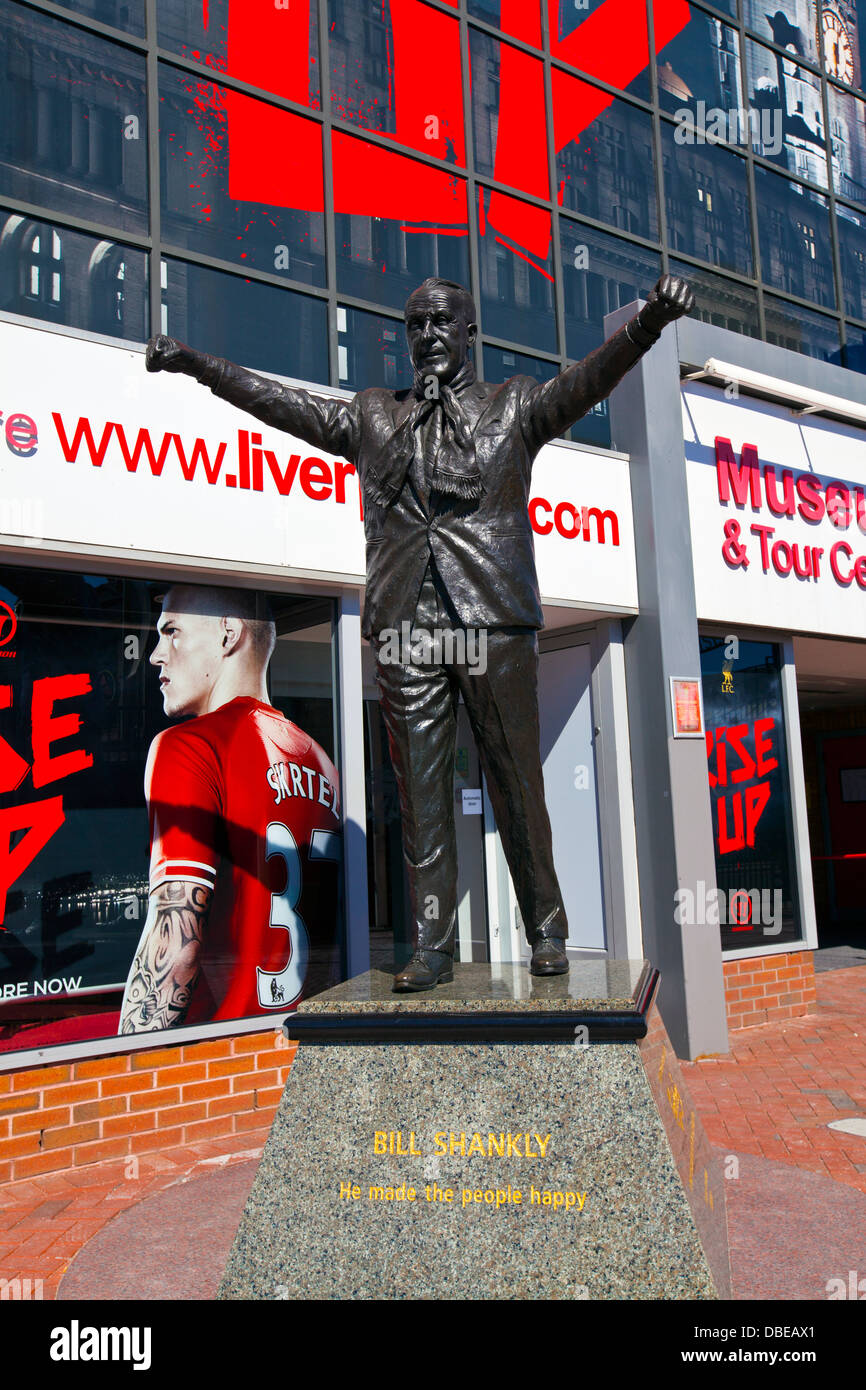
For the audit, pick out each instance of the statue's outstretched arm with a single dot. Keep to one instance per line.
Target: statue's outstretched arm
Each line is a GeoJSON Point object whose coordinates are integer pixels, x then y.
{"type": "Point", "coordinates": [549, 409]}
{"type": "Point", "coordinates": [323, 422]}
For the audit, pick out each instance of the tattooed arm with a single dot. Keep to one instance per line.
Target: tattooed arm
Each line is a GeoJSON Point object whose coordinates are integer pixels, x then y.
{"type": "Point", "coordinates": [166, 965]}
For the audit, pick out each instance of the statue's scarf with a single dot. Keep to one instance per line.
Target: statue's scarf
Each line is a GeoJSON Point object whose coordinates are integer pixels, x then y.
{"type": "Point", "coordinates": [446, 439]}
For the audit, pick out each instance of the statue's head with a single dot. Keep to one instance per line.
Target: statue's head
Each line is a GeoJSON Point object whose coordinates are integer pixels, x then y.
{"type": "Point", "coordinates": [440, 328]}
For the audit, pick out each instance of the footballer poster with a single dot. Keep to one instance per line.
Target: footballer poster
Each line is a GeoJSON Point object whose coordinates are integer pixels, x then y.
{"type": "Point", "coordinates": [170, 821]}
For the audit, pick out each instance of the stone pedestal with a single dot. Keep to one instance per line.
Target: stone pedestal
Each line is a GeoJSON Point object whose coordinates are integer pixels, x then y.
{"type": "Point", "coordinates": [498, 1137]}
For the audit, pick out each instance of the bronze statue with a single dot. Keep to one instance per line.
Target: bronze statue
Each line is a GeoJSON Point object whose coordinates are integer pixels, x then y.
{"type": "Point", "coordinates": [445, 471]}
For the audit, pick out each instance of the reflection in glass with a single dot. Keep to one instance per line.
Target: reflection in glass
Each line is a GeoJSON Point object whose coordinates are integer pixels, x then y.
{"type": "Point", "coordinates": [384, 258]}
{"type": "Point", "coordinates": [73, 127]}
{"type": "Point", "coordinates": [702, 64]}
{"type": "Point", "coordinates": [851, 227]}
{"type": "Point", "coordinates": [396, 69]}
{"type": "Point", "coordinates": [61, 276]}
{"type": "Point", "coordinates": [721, 301]}
{"type": "Point", "coordinates": [508, 115]}
{"type": "Point", "coordinates": [792, 24]}
{"type": "Point", "coordinates": [788, 127]}
{"type": "Point", "coordinates": [854, 352]}
{"type": "Point", "coordinates": [609, 171]}
{"type": "Point", "coordinates": [128, 16]}
{"type": "Point", "coordinates": [616, 53]}
{"type": "Point", "coordinates": [516, 288]}
{"type": "Point", "coordinates": [521, 22]}
{"type": "Point", "coordinates": [274, 48]}
{"type": "Point", "coordinates": [600, 273]}
{"type": "Point", "coordinates": [201, 165]}
{"type": "Point", "coordinates": [707, 202]}
{"type": "Point", "coordinates": [848, 144]}
{"type": "Point", "coordinates": [842, 53]}
{"type": "Point", "coordinates": [794, 229]}
{"type": "Point", "coordinates": [255, 325]}
{"type": "Point", "coordinates": [500, 365]}
{"type": "Point", "coordinates": [372, 351]}
{"type": "Point", "coordinates": [801, 330]}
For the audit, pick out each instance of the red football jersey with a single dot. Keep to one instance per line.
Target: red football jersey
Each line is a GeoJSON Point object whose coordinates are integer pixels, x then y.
{"type": "Point", "coordinates": [243, 801]}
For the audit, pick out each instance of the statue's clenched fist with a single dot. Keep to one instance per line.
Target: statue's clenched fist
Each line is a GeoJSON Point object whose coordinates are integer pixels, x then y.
{"type": "Point", "coordinates": [670, 299]}
{"type": "Point", "coordinates": [168, 355]}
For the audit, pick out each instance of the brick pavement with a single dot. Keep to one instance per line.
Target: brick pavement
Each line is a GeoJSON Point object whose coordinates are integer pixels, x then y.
{"type": "Point", "coordinates": [45, 1221]}
{"type": "Point", "coordinates": [782, 1083]}
{"type": "Point", "coordinates": [771, 1097]}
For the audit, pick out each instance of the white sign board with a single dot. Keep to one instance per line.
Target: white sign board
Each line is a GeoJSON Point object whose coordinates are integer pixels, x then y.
{"type": "Point", "coordinates": [777, 503]}
{"type": "Point", "coordinates": [96, 451]}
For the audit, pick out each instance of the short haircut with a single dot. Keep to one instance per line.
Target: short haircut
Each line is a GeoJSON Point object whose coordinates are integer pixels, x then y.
{"type": "Point", "coordinates": [433, 282]}
{"type": "Point", "coordinates": [249, 605]}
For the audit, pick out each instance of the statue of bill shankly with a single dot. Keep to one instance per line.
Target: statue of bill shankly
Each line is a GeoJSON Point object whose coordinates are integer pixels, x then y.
{"type": "Point", "coordinates": [444, 471]}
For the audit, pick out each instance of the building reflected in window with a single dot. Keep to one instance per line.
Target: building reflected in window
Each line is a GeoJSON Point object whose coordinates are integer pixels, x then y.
{"type": "Point", "coordinates": [66, 277]}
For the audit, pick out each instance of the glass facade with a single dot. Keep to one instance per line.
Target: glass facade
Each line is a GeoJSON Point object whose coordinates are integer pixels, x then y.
{"type": "Point", "coordinates": [273, 181]}
{"type": "Point", "coordinates": [750, 794]}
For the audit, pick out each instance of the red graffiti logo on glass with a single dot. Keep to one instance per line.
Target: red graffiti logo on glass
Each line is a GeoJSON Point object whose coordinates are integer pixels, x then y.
{"type": "Point", "coordinates": [276, 157]}
{"type": "Point", "coordinates": [8, 626]}
{"type": "Point", "coordinates": [738, 754]}
{"type": "Point", "coordinates": [25, 829]}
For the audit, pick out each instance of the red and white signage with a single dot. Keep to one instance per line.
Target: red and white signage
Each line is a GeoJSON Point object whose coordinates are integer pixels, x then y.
{"type": "Point", "coordinates": [778, 515]}
{"type": "Point", "coordinates": [98, 452]}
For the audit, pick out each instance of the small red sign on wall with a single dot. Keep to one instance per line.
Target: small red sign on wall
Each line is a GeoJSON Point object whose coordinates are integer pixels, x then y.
{"type": "Point", "coordinates": [687, 707]}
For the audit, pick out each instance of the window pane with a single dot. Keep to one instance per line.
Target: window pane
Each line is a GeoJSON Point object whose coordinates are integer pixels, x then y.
{"type": "Point", "coordinates": [702, 64]}
{"type": "Point", "coordinates": [721, 301]}
{"type": "Point", "coordinates": [852, 252]}
{"type": "Point", "coordinates": [706, 196]}
{"type": "Point", "coordinates": [372, 351]}
{"type": "Point", "coordinates": [842, 52]}
{"type": "Point", "coordinates": [600, 273]}
{"type": "Point", "coordinates": [384, 258]}
{"type": "Point", "coordinates": [275, 47]}
{"type": "Point", "coordinates": [854, 352]}
{"type": "Point", "coordinates": [794, 228]}
{"type": "Point", "coordinates": [613, 48]}
{"type": "Point", "coordinates": [522, 20]}
{"type": "Point", "coordinates": [78, 899]}
{"type": "Point", "coordinates": [788, 124]}
{"type": "Point", "coordinates": [68, 277]}
{"type": "Point", "coordinates": [256, 325]}
{"type": "Point", "coordinates": [203, 162]}
{"type": "Point", "coordinates": [500, 365]}
{"type": "Point", "coordinates": [609, 172]}
{"type": "Point", "coordinates": [73, 130]}
{"type": "Point", "coordinates": [791, 24]}
{"type": "Point", "coordinates": [848, 144]}
{"type": "Point", "coordinates": [516, 288]}
{"type": "Point", "coordinates": [380, 82]}
{"type": "Point", "coordinates": [801, 330]}
{"type": "Point", "coordinates": [508, 115]}
{"type": "Point", "coordinates": [128, 16]}
{"type": "Point", "coordinates": [743, 695]}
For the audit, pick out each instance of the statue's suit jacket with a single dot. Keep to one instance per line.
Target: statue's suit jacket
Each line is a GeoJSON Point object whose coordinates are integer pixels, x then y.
{"type": "Point", "coordinates": [483, 550]}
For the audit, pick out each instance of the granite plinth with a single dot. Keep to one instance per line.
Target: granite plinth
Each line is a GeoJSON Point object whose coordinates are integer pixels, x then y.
{"type": "Point", "coordinates": [471, 1168]}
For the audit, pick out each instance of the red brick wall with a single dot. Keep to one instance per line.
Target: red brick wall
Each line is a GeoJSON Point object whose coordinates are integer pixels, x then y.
{"type": "Point", "coordinates": [762, 989]}
{"type": "Point", "coordinates": [65, 1116]}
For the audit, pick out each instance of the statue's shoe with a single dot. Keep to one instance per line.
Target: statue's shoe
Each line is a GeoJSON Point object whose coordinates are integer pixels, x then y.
{"type": "Point", "coordinates": [424, 970]}
{"type": "Point", "coordinates": [548, 956]}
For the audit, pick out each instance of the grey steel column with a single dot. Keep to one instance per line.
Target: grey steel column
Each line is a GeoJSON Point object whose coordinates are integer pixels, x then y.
{"type": "Point", "coordinates": [673, 823]}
